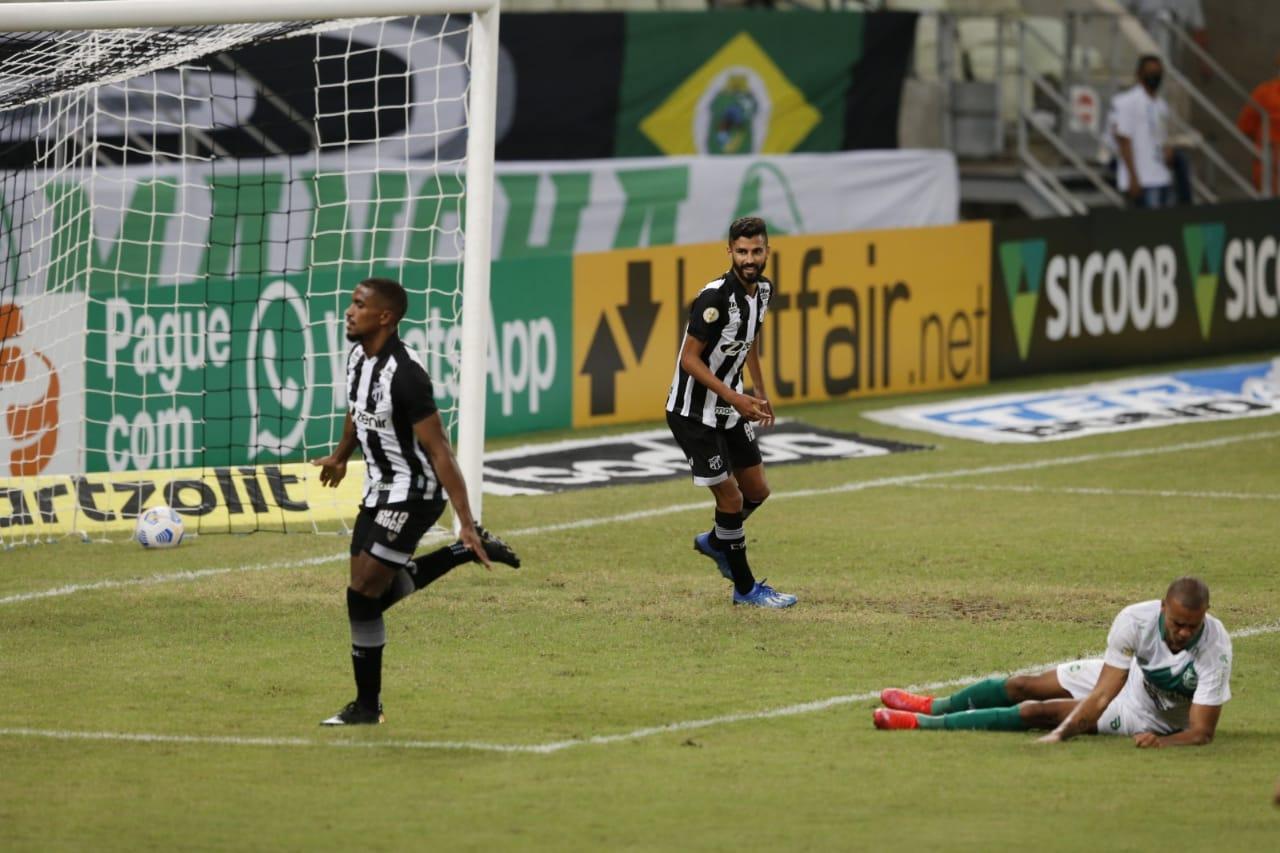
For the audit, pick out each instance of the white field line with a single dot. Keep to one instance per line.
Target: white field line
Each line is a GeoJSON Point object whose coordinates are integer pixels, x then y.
{"type": "Point", "coordinates": [172, 577]}
{"type": "Point", "coordinates": [852, 486]}
{"type": "Point", "coordinates": [1105, 492]}
{"type": "Point", "coordinates": [549, 747]}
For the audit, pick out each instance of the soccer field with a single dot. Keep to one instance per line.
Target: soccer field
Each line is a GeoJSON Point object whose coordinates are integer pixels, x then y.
{"type": "Point", "coordinates": [607, 695]}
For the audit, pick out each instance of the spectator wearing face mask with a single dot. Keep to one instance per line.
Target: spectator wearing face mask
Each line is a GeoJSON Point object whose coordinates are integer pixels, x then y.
{"type": "Point", "coordinates": [1140, 124]}
{"type": "Point", "coordinates": [1266, 94]}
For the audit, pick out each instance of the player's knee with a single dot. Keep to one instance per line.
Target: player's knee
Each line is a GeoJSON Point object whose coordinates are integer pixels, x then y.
{"type": "Point", "coordinates": [1019, 688]}
{"type": "Point", "coordinates": [728, 496]}
{"type": "Point", "coordinates": [729, 502]}
{"type": "Point", "coordinates": [1038, 715]}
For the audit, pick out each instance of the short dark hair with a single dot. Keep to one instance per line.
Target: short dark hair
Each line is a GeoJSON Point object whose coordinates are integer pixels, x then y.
{"type": "Point", "coordinates": [391, 293]}
{"type": "Point", "coordinates": [1191, 593]}
{"type": "Point", "coordinates": [748, 226]}
{"type": "Point", "coordinates": [1144, 59]}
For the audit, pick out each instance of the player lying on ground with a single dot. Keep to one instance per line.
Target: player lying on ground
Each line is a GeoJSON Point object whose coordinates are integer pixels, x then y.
{"type": "Point", "coordinates": [1164, 678]}
{"type": "Point", "coordinates": [409, 470]}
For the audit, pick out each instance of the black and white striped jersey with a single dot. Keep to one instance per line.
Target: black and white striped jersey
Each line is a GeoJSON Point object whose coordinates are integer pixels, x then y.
{"type": "Point", "coordinates": [386, 396]}
{"type": "Point", "coordinates": [727, 320]}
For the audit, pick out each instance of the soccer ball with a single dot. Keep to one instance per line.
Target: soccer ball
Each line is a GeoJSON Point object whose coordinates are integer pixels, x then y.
{"type": "Point", "coordinates": [159, 527]}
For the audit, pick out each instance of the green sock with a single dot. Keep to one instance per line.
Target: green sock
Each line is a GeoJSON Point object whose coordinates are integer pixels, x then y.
{"type": "Point", "coordinates": [989, 719]}
{"type": "Point", "coordinates": [985, 694]}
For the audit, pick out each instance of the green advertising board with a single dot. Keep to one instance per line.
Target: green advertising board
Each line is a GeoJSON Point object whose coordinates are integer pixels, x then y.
{"type": "Point", "coordinates": [248, 364]}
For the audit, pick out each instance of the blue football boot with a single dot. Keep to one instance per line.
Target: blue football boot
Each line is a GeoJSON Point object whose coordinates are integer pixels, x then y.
{"type": "Point", "coordinates": [763, 595]}
{"type": "Point", "coordinates": [702, 544]}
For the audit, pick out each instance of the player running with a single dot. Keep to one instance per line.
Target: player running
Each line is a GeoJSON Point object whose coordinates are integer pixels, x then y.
{"type": "Point", "coordinates": [1163, 681]}
{"type": "Point", "coordinates": [410, 472]}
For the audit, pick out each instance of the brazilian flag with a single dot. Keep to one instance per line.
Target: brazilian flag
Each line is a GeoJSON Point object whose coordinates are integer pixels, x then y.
{"type": "Point", "coordinates": [762, 83]}
{"type": "Point", "coordinates": [645, 84]}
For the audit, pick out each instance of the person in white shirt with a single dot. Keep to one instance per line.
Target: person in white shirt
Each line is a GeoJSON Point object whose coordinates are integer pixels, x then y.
{"type": "Point", "coordinates": [1140, 125]}
{"type": "Point", "coordinates": [1163, 681]}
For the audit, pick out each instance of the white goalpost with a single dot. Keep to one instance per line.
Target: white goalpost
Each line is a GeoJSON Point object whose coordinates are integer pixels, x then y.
{"type": "Point", "coordinates": [188, 193]}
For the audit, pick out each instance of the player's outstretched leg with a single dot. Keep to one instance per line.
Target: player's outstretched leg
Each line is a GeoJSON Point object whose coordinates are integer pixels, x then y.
{"type": "Point", "coordinates": [498, 550]}
{"type": "Point", "coordinates": [429, 568]}
{"type": "Point", "coordinates": [988, 719]}
{"type": "Point", "coordinates": [988, 693]}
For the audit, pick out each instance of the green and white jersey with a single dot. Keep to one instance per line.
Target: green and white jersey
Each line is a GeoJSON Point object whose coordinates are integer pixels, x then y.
{"type": "Point", "coordinates": [1199, 674]}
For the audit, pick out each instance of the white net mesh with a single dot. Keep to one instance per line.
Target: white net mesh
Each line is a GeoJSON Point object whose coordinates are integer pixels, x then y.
{"type": "Point", "coordinates": [185, 213]}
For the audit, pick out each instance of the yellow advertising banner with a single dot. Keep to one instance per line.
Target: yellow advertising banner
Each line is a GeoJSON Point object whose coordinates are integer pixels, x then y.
{"type": "Point", "coordinates": [244, 497]}
{"type": "Point", "coordinates": [852, 315]}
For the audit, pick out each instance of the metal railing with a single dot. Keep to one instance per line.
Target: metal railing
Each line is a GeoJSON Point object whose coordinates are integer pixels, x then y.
{"type": "Point", "coordinates": [1055, 154]}
{"type": "Point", "coordinates": [1031, 82]}
{"type": "Point", "coordinates": [1261, 149]}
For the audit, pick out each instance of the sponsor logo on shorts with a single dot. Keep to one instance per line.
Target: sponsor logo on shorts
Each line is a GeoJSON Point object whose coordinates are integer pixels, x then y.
{"type": "Point", "coordinates": [391, 520]}
{"type": "Point", "coordinates": [1115, 724]}
{"type": "Point", "coordinates": [749, 429]}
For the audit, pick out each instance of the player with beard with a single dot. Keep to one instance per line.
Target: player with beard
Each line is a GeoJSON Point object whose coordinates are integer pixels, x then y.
{"type": "Point", "coordinates": [409, 468]}
{"type": "Point", "coordinates": [711, 417]}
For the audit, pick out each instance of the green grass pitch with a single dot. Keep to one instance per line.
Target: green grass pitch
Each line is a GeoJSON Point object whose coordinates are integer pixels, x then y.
{"type": "Point", "coordinates": [599, 687]}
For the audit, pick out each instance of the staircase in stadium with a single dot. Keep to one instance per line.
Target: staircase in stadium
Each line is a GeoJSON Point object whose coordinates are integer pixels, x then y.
{"type": "Point", "coordinates": [1020, 89]}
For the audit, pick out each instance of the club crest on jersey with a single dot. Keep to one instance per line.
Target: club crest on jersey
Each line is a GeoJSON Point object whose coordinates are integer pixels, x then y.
{"type": "Point", "coordinates": [711, 314]}
{"type": "Point", "coordinates": [376, 394]}
{"type": "Point", "coordinates": [716, 463]}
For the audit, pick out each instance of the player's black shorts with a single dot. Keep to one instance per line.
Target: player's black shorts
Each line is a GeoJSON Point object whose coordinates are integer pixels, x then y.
{"type": "Point", "coordinates": [714, 453]}
{"type": "Point", "coordinates": [391, 533]}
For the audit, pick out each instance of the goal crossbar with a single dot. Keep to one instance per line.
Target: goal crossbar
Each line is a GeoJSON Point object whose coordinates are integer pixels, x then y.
{"type": "Point", "coordinates": [111, 14]}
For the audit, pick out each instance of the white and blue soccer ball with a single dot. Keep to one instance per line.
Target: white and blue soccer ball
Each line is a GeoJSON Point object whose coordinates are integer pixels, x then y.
{"type": "Point", "coordinates": [159, 527]}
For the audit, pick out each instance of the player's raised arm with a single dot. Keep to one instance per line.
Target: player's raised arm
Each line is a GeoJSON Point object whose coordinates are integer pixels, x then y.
{"type": "Point", "coordinates": [431, 435]}
{"type": "Point", "coordinates": [333, 468]}
{"type": "Point", "coordinates": [1083, 719]}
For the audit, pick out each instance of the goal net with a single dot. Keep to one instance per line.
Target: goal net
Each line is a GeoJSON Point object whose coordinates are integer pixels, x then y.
{"type": "Point", "coordinates": [185, 210]}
